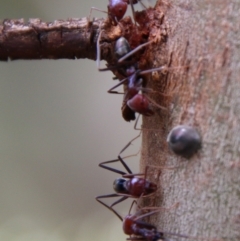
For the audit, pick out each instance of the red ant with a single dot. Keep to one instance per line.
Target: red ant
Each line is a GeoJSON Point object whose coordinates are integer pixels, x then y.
{"type": "Point", "coordinates": [128, 186]}
{"type": "Point", "coordinates": [117, 9]}
{"type": "Point", "coordinates": [137, 229]}
{"type": "Point", "coordinates": [133, 100]}
{"type": "Point", "coordinates": [133, 225]}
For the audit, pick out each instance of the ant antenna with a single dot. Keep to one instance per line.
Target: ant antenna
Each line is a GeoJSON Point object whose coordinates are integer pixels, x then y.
{"type": "Point", "coordinates": [96, 9]}
{"type": "Point", "coordinates": [136, 122]}
{"type": "Point", "coordinates": [130, 209]}
{"type": "Point", "coordinates": [99, 49]}
{"type": "Point", "coordinates": [111, 209]}
{"type": "Point", "coordinates": [133, 11]}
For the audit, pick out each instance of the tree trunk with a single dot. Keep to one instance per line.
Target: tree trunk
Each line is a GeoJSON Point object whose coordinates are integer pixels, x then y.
{"type": "Point", "coordinates": [203, 38]}
{"type": "Point", "coordinates": [198, 40]}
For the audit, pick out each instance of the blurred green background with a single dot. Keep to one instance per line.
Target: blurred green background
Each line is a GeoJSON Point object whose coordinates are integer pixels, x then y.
{"type": "Point", "coordinates": [57, 123]}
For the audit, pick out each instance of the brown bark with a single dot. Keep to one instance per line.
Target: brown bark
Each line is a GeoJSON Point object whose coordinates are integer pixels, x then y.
{"type": "Point", "coordinates": [202, 35]}
{"type": "Point", "coordinates": [74, 38]}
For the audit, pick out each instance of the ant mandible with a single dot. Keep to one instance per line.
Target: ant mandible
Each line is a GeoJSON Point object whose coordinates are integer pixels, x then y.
{"type": "Point", "coordinates": [130, 185]}
{"type": "Point", "coordinates": [133, 101]}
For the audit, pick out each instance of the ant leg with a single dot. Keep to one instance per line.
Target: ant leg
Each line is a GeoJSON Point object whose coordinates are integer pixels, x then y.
{"type": "Point", "coordinates": [133, 175]}
{"type": "Point", "coordinates": [152, 195]}
{"type": "Point", "coordinates": [133, 202]}
{"type": "Point", "coordinates": [157, 209]}
{"type": "Point", "coordinates": [152, 70]}
{"type": "Point", "coordinates": [111, 209]}
{"type": "Point", "coordinates": [96, 9]}
{"type": "Point", "coordinates": [122, 198]}
{"type": "Point", "coordinates": [134, 51]}
{"type": "Point", "coordinates": [102, 164]}
{"type": "Point", "coordinates": [142, 4]}
{"type": "Point", "coordinates": [119, 200]}
{"type": "Point", "coordinates": [146, 171]}
{"type": "Point", "coordinates": [99, 50]}
{"type": "Point", "coordinates": [190, 237]}
{"type": "Point", "coordinates": [136, 122]}
{"type": "Point", "coordinates": [146, 225]}
{"type": "Point", "coordinates": [133, 12]}
{"type": "Point", "coordinates": [148, 90]}
{"type": "Point", "coordinates": [163, 167]}
{"type": "Point", "coordinates": [155, 104]}
{"type": "Point", "coordinates": [98, 47]}
{"type": "Point", "coordinates": [136, 238]}
{"type": "Point", "coordinates": [119, 155]}
{"type": "Point", "coordinates": [131, 155]}
{"type": "Point", "coordinates": [110, 91]}
{"type": "Point", "coordinates": [129, 143]}
{"type": "Point", "coordinates": [162, 68]}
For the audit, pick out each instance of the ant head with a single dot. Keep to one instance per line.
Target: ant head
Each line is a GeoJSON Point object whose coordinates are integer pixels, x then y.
{"type": "Point", "coordinates": [119, 185]}
{"type": "Point", "coordinates": [139, 103]}
{"type": "Point", "coordinates": [117, 9]}
{"type": "Point", "coordinates": [122, 47]}
{"type": "Point", "coordinates": [184, 140]}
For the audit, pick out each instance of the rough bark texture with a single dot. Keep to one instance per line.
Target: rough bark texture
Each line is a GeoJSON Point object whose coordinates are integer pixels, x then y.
{"type": "Point", "coordinates": [70, 39]}
{"type": "Point", "coordinates": [200, 38]}
{"type": "Point", "coordinates": [203, 35]}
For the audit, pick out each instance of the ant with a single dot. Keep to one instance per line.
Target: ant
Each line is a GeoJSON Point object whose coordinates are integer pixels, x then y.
{"type": "Point", "coordinates": [137, 229]}
{"type": "Point", "coordinates": [133, 225]}
{"type": "Point", "coordinates": [133, 101]}
{"type": "Point", "coordinates": [130, 185]}
{"type": "Point", "coordinates": [117, 9]}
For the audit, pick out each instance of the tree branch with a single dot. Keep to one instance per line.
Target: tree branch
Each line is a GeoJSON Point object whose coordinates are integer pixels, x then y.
{"type": "Point", "coordinates": [74, 38]}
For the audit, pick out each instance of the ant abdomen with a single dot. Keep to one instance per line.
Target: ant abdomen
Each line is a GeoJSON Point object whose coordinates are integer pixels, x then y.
{"type": "Point", "coordinates": [140, 104]}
